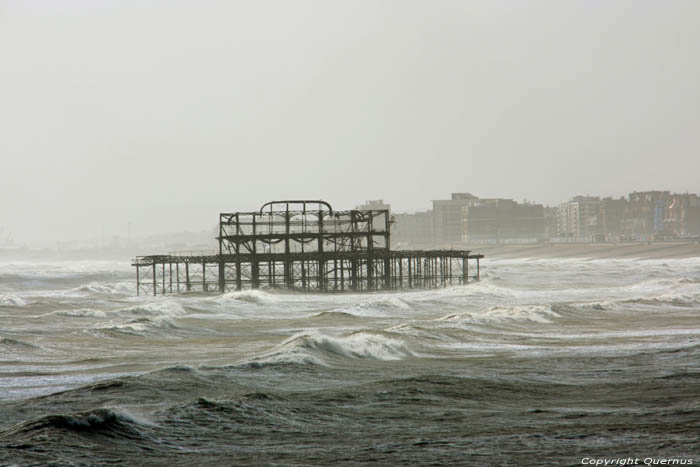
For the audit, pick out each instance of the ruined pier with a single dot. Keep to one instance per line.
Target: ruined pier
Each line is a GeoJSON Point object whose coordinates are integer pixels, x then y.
{"type": "Point", "coordinates": [304, 245]}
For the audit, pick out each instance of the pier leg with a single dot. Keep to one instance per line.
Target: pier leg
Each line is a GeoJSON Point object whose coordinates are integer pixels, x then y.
{"type": "Point", "coordinates": [188, 285]}
{"type": "Point", "coordinates": [303, 276]}
{"type": "Point", "coordinates": [288, 265]}
{"type": "Point", "coordinates": [387, 274]}
{"type": "Point", "coordinates": [238, 276]}
{"type": "Point", "coordinates": [353, 275]}
{"type": "Point", "coordinates": [222, 276]}
{"type": "Point", "coordinates": [255, 272]}
{"type": "Point", "coordinates": [154, 279]}
{"type": "Point", "coordinates": [370, 273]}
{"type": "Point", "coordinates": [342, 274]}
{"type": "Point", "coordinates": [335, 274]}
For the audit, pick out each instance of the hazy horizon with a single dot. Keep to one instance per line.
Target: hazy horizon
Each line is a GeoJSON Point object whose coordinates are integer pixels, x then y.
{"type": "Point", "coordinates": [162, 114]}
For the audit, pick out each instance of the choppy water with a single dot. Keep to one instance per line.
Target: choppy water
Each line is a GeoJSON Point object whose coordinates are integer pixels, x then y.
{"type": "Point", "coordinates": [542, 362]}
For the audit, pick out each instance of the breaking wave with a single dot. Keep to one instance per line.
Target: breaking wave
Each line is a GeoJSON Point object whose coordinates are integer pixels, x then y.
{"type": "Point", "coordinates": [104, 288]}
{"type": "Point", "coordinates": [320, 349]}
{"type": "Point", "coordinates": [497, 315]}
{"type": "Point", "coordinates": [257, 297]}
{"type": "Point", "coordinates": [158, 308]}
{"type": "Point", "coordinates": [138, 326]}
{"type": "Point", "coordinates": [11, 300]}
{"type": "Point", "coordinates": [77, 313]}
{"type": "Point", "coordinates": [113, 423]}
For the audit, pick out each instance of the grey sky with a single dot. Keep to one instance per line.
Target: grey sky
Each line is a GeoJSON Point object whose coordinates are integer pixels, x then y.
{"type": "Point", "coordinates": [163, 113]}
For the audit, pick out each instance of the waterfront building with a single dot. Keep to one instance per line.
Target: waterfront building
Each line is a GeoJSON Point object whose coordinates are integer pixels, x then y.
{"type": "Point", "coordinates": [502, 220]}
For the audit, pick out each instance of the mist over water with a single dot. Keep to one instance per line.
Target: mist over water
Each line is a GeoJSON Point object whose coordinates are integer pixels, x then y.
{"type": "Point", "coordinates": [542, 362]}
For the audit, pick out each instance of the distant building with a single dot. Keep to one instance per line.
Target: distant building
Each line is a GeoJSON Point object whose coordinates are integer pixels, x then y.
{"type": "Point", "coordinates": [644, 216]}
{"type": "Point", "coordinates": [412, 230]}
{"type": "Point", "coordinates": [502, 220]}
{"type": "Point", "coordinates": [448, 218]}
{"type": "Point", "coordinates": [551, 221]}
{"type": "Point", "coordinates": [579, 217]}
{"type": "Point", "coordinates": [681, 216]}
{"type": "Point", "coordinates": [612, 213]}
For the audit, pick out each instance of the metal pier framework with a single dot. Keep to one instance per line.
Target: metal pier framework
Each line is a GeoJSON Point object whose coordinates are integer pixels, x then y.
{"type": "Point", "coordinates": [304, 245]}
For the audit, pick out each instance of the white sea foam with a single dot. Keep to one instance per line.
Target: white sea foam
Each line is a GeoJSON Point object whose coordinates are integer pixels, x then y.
{"type": "Point", "coordinates": [497, 315]}
{"type": "Point", "coordinates": [257, 297]}
{"type": "Point", "coordinates": [139, 326]}
{"type": "Point", "coordinates": [168, 308]}
{"type": "Point", "coordinates": [103, 288]}
{"type": "Point", "coordinates": [11, 300]}
{"type": "Point", "coordinates": [78, 313]}
{"type": "Point", "coordinates": [318, 348]}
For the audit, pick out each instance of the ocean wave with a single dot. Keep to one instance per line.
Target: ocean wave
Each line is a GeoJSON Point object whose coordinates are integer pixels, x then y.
{"type": "Point", "coordinates": [157, 308]}
{"type": "Point", "coordinates": [383, 306]}
{"type": "Point", "coordinates": [320, 349]}
{"type": "Point", "coordinates": [115, 423]}
{"type": "Point", "coordinates": [104, 288]}
{"type": "Point", "coordinates": [254, 412]}
{"type": "Point", "coordinates": [138, 327]}
{"type": "Point", "coordinates": [332, 316]}
{"type": "Point", "coordinates": [498, 315]}
{"type": "Point", "coordinates": [77, 313]}
{"type": "Point", "coordinates": [670, 299]}
{"type": "Point", "coordinates": [11, 300]}
{"type": "Point", "coordinates": [257, 297]}
{"type": "Point", "coordinates": [418, 331]}
{"type": "Point", "coordinates": [605, 305]}
{"type": "Point", "coordinates": [392, 302]}
{"type": "Point", "coordinates": [14, 344]}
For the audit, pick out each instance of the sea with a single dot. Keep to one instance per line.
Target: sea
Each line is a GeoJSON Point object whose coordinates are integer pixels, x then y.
{"type": "Point", "coordinates": [542, 362]}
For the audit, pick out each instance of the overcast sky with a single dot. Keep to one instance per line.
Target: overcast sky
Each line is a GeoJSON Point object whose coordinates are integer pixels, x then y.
{"type": "Point", "coordinates": [163, 113]}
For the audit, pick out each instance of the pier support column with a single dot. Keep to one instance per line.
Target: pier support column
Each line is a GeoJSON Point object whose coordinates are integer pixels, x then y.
{"type": "Point", "coordinates": [335, 274]}
{"type": "Point", "coordinates": [222, 276]}
{"type": "Point", "coordinates": [387, 274]}
{"type": "Point", "coordinates": [370, 273]}
{"type": "Point", "coordinates": [353, 275]}
{"type": "Point", "coordinates": [255, 273]}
